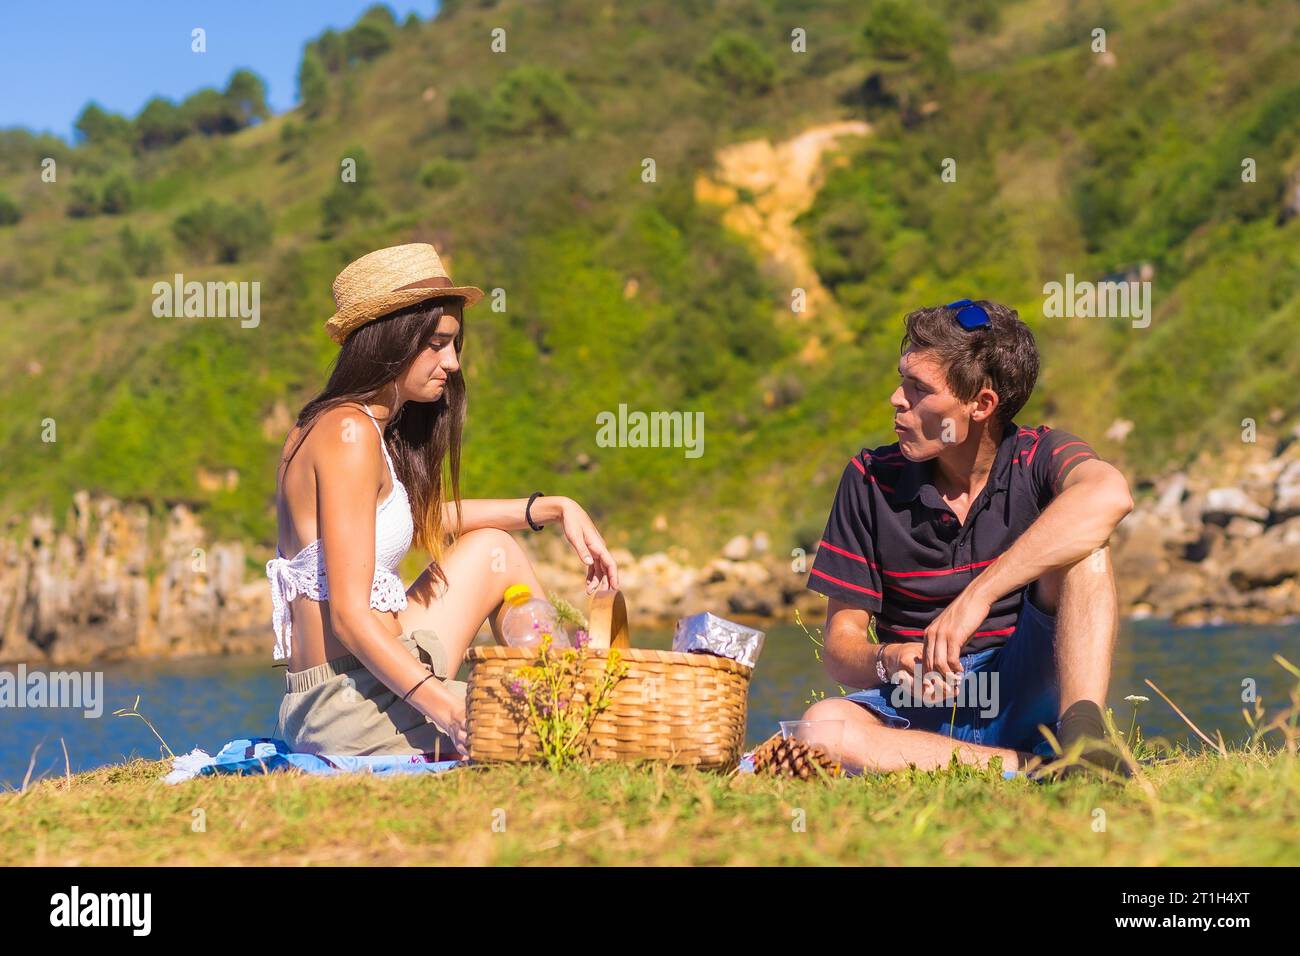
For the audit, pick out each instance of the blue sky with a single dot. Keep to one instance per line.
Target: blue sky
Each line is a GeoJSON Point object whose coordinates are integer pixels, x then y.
{"type": "Point", "coordinates": [56, 56]}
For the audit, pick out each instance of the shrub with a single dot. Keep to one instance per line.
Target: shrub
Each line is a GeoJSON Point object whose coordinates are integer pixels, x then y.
{"type": "Point", "coordinates": [142, 252]}
{"type": "Point", "coordinates": [83, 200]}
{"type": "Point", "coordinates": [351, 201]}
{"type": "Point", "coordinates": [737, 64]}
{"type": "Point", "coordinates": [222, 232]}
{"type": "Point", "coordinates": [465, 111]}
{"type": "Point", "coordinates": [439, 174]}
{"type": "Point", "coordinates": [533, 100]}
{"type": "Point", "coordinates": [9, 211]}
{"type": "Point", "coordinates": [118, 195]}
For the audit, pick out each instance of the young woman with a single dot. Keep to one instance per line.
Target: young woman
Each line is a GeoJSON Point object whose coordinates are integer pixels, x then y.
{"type": "Point", "coordinates": [372, 465]}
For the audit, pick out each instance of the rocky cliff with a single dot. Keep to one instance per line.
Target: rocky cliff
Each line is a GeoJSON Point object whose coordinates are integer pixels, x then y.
{"type": "Point", "coordinates": [1218, 542]}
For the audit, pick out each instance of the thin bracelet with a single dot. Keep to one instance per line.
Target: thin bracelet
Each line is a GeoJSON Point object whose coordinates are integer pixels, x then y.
{"type": "Point", "coordinates": [528, 511]}
{"type": "Point", "coordinates": [416, 687]}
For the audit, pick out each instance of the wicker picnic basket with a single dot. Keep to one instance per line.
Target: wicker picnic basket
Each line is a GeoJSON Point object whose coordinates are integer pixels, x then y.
{"type": "Point", "coordinates": [679, 708]}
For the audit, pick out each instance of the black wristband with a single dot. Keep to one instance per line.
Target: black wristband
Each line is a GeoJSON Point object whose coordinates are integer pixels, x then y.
{"type": "Point", "coordinates": [415, 688]}
{"type": "Point", "coordinates": [528, 511]}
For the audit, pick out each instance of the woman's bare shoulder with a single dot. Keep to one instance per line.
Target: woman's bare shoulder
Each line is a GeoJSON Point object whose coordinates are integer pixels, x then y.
{"type": "Point", "coordinates": [342, 437]}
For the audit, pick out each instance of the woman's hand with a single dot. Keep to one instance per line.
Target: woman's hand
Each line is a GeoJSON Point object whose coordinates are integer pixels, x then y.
{"type": "Point", "coordinates": [602, 573]}
{"type": "Point", "coordinates": [449, 717]}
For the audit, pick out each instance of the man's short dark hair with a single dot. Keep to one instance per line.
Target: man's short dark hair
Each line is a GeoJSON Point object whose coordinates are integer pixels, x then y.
{"type": "Point", "coordinates": [1002, 355]}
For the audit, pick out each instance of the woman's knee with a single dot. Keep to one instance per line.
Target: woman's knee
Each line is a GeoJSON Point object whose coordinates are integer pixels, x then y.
{"type": "Point", "coordinates": [499, 548]}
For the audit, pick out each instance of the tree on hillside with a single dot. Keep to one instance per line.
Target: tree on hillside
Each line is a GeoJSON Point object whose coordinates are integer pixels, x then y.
{"type": "Point", "coordinates": [313, 83]}
{"type": "Point", "coordinates": [97, 126]}
{"type": "Point", "coordinates": [368, 39]}
{"type": "Point", "coordinates": [160, 124]}
{"type": "Point", "coordinates": [910, 50]}
{"type": "Point", "coordinates": [246, 92]}
{"type": "Point", "coordinates": [737, 64]}
{"type": "Point", "coordinates": [224, 232]}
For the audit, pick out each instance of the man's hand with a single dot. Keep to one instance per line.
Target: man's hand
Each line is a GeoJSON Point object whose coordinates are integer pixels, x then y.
{"type": "Point", "coordinates": [900, 661]}
{"type": "Point", "coordinates": [949, 632]}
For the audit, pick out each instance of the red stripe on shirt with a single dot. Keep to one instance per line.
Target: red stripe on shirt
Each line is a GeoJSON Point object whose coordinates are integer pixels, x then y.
{"type": "Point", "coordinates": [862, 468]}
{"type": "Point", "coordinates": [913, 574]}
{"type": "Point", "coordinates": [848, 554]}
{"type": "Point", "coordinates": [920, 597]}
{"type": "Point", "coordinates": [915, 632]}
{"type": "Point", "coordinates": [1065, 464]}
{"type": "Point", "coordinates": [846, 584]}
{"type": "Point", "coordinates": [1057, 451]}
{"type": "Point", "coordinates": [1030, 459]}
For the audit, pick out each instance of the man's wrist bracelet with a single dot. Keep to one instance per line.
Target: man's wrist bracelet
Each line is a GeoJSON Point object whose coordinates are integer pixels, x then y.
{"type": "Point", "coordinates": [880, 664]}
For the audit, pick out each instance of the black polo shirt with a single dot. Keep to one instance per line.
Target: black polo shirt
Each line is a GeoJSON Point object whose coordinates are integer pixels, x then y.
{"type": "Point", "coordinates": [892, 545]}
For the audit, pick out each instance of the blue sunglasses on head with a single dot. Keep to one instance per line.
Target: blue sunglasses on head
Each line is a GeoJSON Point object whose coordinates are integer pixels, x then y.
{"type": "Point", "coordinates": [971, 315]}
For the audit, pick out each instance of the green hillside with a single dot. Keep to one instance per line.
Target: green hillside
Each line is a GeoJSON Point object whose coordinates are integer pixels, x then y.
{"type": "Point", "coordinates": [526, 167]}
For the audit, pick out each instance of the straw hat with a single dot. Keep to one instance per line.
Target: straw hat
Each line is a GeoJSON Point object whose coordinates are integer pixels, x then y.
{"type": "Point", "coordinates": [389, 279]}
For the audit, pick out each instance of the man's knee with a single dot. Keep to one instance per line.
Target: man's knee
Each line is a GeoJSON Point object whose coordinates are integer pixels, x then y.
{"type": "Point", "coordinates": [1092, 571]}
{"type": "Point", "coordinates": [837, 708]}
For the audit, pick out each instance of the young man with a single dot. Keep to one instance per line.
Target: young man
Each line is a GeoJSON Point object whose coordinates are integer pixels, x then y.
{"type": "Point", "coordinates": [977, 547]}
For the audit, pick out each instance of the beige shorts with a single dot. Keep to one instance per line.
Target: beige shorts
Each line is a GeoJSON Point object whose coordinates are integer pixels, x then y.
{"type": "Point", "coordinates": [339, 707]}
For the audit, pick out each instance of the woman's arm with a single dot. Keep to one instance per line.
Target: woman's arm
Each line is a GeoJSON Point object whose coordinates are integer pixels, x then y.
{"type": "Point", "coordinates": [346, 492]}
{"type": "Point", "coordinates": [508, 515]}
{"type": "Point", "coordinates": [504, 513]}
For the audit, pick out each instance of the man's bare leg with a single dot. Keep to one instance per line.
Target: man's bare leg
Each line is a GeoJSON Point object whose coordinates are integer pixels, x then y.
{"type": "Point", "coordinates": [870, 745]}
{"type": "Point", "coordinates": [1082, 595]}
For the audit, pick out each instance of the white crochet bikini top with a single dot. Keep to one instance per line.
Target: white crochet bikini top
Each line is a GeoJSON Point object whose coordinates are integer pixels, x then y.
{"type": "Point", "coordinates": [305, 573]}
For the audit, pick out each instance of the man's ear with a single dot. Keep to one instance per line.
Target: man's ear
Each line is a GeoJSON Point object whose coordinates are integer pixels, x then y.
{"type": "Point", "coordinates": [985, 405]}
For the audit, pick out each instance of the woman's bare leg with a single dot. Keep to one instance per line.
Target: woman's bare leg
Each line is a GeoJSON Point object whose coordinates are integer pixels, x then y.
{"type": "Point", "coordinates": [479, 567]}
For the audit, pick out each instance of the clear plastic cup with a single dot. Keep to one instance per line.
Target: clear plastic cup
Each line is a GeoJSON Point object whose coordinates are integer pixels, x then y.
{"type": "Point", "coordinates": [828, 735]}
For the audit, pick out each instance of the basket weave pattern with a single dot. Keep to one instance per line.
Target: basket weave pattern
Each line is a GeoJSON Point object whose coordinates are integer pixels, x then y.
{"type": "Point", "coordinates": [682, 709]}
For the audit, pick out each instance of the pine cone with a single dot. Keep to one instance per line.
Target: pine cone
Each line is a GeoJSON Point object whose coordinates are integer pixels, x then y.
{"type": "Point", "coordinates": [793, 758]}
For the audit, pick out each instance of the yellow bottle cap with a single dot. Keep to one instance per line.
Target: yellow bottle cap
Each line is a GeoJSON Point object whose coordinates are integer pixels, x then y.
{"type": "Point", "coordinates": [518, 593]}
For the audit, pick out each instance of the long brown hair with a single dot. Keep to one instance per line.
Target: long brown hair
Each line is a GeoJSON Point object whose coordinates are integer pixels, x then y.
{"type": "Point", "coordinates": [424, 439]}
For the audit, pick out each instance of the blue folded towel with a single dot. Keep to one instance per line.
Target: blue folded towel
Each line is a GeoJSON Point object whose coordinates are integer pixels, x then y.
{"type": "Point", "coordinates": [246, 755]}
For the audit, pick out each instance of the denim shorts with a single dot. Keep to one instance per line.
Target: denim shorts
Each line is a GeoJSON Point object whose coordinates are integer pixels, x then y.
{"type": "Point", "coordinates": [1007, 691]}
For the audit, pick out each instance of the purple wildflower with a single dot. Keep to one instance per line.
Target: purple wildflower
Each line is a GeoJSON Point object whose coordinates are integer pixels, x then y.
{"type": "Point", "coordinates": [581, 639]}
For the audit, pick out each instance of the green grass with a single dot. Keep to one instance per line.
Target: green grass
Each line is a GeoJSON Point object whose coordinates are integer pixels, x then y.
{"type": "Point", "coordinates": [1207, 810]}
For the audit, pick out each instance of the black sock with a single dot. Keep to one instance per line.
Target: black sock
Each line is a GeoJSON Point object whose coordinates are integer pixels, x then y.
{"type": "Point", "coordinates": [1083, 719]}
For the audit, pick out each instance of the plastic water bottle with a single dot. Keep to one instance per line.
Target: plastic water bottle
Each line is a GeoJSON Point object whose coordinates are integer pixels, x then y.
{"type": "Point", "coordinates": [528, 619]}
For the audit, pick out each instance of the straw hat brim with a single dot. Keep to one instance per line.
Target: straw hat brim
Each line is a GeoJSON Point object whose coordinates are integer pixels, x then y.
{"type": "Point", "coordinates": [349, 318]}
